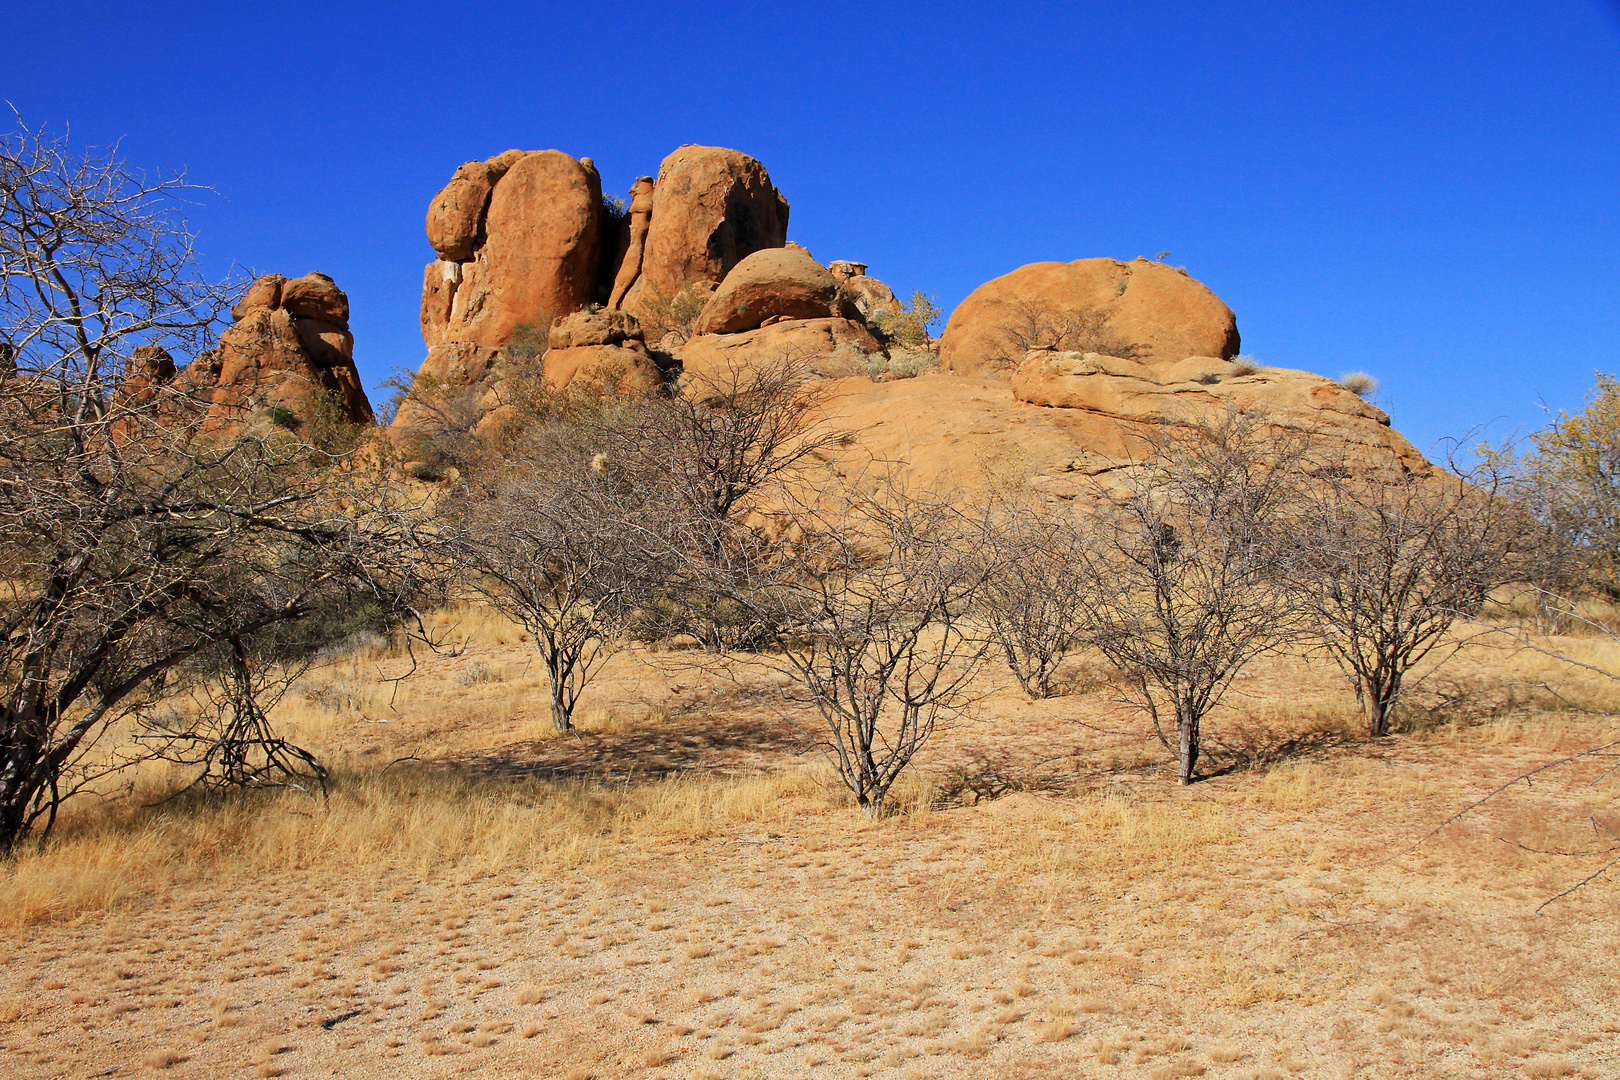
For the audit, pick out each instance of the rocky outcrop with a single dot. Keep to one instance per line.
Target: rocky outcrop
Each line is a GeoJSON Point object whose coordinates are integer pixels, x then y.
{"type": "Point", "coordinates": [1350, 432]}
{"type": "Point", "coordinates": [873, 298]}
{"type": "Point", "coordinates": [777, 283]}
{"type": "Point", "coordinates": [287, 362]}
{"type": "Point", "coordinates": [829, 348]}
{"type": "Point", "coordinates": [603, 347]}
{"type": "Point", "coordinates": [521, 241]}
{"type": "Point", "coordinates": [711, 208]}
{"type": "Point", "coordinates": [1141, 309]}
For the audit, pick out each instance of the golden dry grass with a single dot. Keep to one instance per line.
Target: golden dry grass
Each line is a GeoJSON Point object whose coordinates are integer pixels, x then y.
{"type": "Point", "coordinates": [679, 891]}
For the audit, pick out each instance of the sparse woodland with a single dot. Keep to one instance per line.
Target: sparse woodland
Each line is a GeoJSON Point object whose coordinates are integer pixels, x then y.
{"type": "Point", "coordinates": [669, 735]}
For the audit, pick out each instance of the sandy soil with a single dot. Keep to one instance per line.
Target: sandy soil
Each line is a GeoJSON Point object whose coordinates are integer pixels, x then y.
{"type": "Point", "coordinates": [1062, 910]}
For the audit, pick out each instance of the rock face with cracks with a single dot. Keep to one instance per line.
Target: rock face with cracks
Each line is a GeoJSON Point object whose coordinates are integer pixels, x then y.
{"type": "Point", "coordinates": [1350, 432]}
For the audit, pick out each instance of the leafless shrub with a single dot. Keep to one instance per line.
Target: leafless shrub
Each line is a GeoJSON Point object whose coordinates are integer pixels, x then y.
{"type": "Point", "coordinates": [734, 442]}
{"type": "Point", "coordinates": [1032, 600]}
{"type": "Point", "coordinates": [1036, 323]}
{"type": "Point", "coordinates": [144, 554]}
{"type": "Point", "coordinates": [1383, 570]}
{"type": "Point", "coordinates": [1182, 571]}
{"type": "Point", "coordinates": [541, 537]}
{"type": "Point", "coordinates": [870, 613]}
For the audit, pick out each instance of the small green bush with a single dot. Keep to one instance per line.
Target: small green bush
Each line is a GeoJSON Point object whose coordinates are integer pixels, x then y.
{"type": "Point", "coordinates": [909, 327]}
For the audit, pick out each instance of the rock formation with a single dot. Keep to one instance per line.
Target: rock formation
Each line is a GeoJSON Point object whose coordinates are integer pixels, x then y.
{"type": "Point", "coordinates": [634, 247]}
{"type": "Point", "coordinates": [1141, 309]}
{"type": "Point", "coordinates": [779, 304]}
{"type": "Point", "coordinates": [287, 361]}
{"type": "Point", "coordinates": [518, 242]}
{"type": "Point", "coordinates": [1200, 388]}
{"type": "Point", "coordinates": [871, 296]}
{"type": "Point", "coordinates": [1097, 351]}
{"type": "Point", "coordinates": [604, 346]}
{"type": "Point", "coordinates": [777, 283]}
{"type": "Point", "coordinates": [830, 348]}
{"type": "Point", "coordinates": [521, 242]}
{"type": "Point", "coordinates": [711, 208]}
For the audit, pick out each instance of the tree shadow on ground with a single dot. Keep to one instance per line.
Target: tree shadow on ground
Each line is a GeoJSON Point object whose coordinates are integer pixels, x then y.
{"type": "Point", "coordinates": [737, 731]}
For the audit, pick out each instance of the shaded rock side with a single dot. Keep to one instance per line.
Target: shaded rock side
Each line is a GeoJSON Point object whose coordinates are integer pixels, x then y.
{"type": "Point", "coordinates": [287, 361]}
{"type": "Point", "coordinates": [1143, 309]}
{"type": "Point", "coordinates": [711, 208]}
{"type": "Point", "coordinates": [777, 283]}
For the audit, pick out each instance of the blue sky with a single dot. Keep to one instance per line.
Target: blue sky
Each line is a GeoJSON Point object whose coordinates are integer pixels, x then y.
{"type": "Point", "coordinates": [1425, 191]}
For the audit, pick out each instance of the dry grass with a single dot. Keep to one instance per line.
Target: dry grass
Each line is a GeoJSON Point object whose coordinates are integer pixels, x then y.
{"type": "Point", "coordinates": [678, 892]}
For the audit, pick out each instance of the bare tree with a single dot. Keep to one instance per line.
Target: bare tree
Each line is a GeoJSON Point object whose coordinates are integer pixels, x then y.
{"type": "Point", "coordinates": [731, 438]}
{"type": "Point", "coordinates": [869, 610]}
{"type": "Point", "coordinates": [1383, 570]}
{"type": "Point", "coordinates": [734, 442]}
{"type": "Point", "coordinates": [1032, 600]}
{"type": "Point", "coordinates": [137, 551]}
{"type": "Point", "coordinates": [551, 537]}
{"type": "Point", "coordinates": [1182, 568]}
{"type": "Point", "coordinates": [1036, 323]}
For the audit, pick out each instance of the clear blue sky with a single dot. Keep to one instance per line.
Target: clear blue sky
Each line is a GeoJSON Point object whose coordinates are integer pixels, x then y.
{"type": "Point", "coordinates": [1426, 191]}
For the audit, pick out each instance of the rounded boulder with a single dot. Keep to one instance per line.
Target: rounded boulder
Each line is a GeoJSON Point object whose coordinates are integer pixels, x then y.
{"type": "Point", "coordinates": [1140, 310]}
{"type": "Point", "coordinates": [775, 283]}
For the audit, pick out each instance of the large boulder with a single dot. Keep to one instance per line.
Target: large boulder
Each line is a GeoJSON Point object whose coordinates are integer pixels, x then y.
{"type": "Point", "coordinates": [287, 361]}
{"type": "Point", "coordinates": [828, 347]}
{"type": "Point", "coordinates": [622, 369]}
{"type": "Point", "coordinates": [774, 283]}
{"type": "Point", "coordinates": [599, 327]}
{"type": "Point", "coordinates": [602, 347]}
{"type": "Point", "coordinates": [711, 208]}
{"type": "Point", "coordinates": [541, 253]}
{"type": "Point", "coordinates": [1141, 309]}
{"type": "Point", "coordinates": [525, 252]}
{"type": "Point", "coordinates": [455, 217]}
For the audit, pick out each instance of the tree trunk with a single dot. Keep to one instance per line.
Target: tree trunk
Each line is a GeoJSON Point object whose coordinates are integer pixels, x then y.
{"type": "Point", "coordinates": [1374, 707]}
{"type": "Point", "coordinates": [1187, 729]}
{"type": "Point", "coordinates": [562, 710]}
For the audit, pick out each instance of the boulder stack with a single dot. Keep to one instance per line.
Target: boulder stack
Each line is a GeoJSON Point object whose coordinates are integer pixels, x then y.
{"type": "Point", "coordinates": [524, 239]}
{"type": "Point", "coordinates": [871, 296]}
{"type": "Point", "coordinates": [287, 361]}
{"type": "Point", "coordinates": [779, 304]}
{"type": "Point", "coordinates": [711, 209]}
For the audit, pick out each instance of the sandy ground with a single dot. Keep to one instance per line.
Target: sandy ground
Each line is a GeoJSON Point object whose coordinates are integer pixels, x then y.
{"type": "Point", "coordinates": [1062, 911]}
